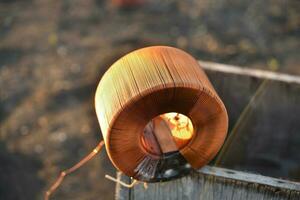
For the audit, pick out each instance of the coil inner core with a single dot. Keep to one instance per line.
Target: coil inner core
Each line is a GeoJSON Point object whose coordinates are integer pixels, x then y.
{"type": "Point", "coordinates": [165, 130]}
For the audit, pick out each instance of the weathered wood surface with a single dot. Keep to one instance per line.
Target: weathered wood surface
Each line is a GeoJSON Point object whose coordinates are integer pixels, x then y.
{"type": "Point", "coordinates": [264, 120]}
{"type": "Point", "coordinates": [122, 193]}
{"type": "Point", "coordinates": [212, 183]}
{"type": "Point", "coordinates": [262, 74]}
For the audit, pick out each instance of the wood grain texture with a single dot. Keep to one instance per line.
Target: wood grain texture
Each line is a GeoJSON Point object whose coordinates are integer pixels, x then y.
{"type": "Point", "coordinates": [212, 183]}
{"type": "Point", "coordinates": [122, 193]}
{"type": "Point", "coordinates": [264, 126]}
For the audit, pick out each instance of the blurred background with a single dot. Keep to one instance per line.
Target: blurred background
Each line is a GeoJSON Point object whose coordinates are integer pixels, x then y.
{"type": "Point", "coordinates": [54, 52]}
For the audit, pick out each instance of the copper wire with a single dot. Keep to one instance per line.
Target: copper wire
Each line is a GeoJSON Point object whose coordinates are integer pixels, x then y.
{"type": "Point", "coordinates": [64, 173]}
{"type": "Point", "coordinates": [149, 82]}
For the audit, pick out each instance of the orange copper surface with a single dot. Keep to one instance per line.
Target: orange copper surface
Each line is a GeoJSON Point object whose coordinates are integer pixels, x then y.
{"type": "Point", "coordinates": [152, 81]}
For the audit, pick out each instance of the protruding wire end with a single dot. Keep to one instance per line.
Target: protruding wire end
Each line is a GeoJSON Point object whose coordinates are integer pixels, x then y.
{"type": "Point", "coordinates": [134, 182]}
{"type": "Point", "coordinates": [64, 173]}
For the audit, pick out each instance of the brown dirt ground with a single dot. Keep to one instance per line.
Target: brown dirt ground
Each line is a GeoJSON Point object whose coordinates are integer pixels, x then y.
{"type": "Point", "coordinates": [53, 53]}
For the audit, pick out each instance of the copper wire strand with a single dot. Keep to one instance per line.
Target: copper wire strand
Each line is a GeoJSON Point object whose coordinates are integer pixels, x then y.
{"type": "Point", "coordinates": [64, 173]}
{"type": "Point", "coordinates": [131, 185]}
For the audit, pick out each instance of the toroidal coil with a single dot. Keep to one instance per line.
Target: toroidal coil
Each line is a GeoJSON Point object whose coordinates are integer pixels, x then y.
{"type": "Point", "coordinates": [141, 103]}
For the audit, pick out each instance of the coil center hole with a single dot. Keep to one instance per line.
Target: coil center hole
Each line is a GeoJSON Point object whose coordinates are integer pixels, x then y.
{"type": "Point", "coordinates": [166, 133]}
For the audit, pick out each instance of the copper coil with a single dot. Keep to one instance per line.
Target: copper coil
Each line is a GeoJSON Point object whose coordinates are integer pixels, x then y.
{"type": "Point", "coordinates": [149, 82]}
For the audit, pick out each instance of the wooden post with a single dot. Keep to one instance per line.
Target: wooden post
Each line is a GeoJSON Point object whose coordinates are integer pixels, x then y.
{"type": "Point", "coordinates": [213, 183]}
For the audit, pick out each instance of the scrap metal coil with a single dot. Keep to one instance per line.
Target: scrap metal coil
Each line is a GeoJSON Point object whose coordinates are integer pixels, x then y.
{"type": "Point", "coordinates": [147, 83]}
